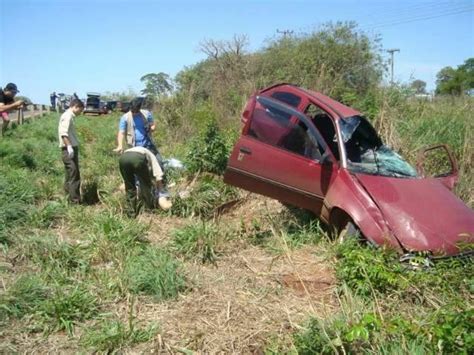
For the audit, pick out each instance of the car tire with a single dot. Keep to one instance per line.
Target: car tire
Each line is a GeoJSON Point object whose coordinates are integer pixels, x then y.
{"type": "Point", "coordinates": [350, 230]}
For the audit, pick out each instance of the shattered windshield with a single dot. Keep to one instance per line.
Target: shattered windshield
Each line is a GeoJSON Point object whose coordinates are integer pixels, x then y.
{"type": "Point", "coordinates": [367, 154]}
{"type": "Point", "coordinates": [348, 127]}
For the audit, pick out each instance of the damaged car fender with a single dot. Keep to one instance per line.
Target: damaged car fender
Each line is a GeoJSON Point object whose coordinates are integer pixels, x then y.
{"type": "Point", "coordinates": [347, 199]}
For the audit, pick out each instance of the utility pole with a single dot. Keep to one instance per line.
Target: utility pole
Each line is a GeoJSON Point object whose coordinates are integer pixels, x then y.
{"type": "Point", "coordinates": [285, 33]}
{"type": "Point", "coordinates": [392, 51]}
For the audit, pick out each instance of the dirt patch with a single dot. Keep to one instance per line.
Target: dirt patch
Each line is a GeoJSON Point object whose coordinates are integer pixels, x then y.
{"type": "Point", "coordinates": [250, 207]}
{"type": "Point", "coordinates": [237, 305]}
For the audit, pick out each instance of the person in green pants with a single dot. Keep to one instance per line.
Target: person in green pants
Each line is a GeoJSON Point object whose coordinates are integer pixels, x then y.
{"type": "Point", "coordinates": [139, 164]}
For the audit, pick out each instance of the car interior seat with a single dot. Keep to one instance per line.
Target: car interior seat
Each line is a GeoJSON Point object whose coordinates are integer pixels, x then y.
{"type": "Point", "coordinates": [325, 126]}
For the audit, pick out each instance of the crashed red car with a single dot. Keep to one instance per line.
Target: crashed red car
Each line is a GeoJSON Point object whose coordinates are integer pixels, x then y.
{"type": "Point", "coordinates": [307, 150]}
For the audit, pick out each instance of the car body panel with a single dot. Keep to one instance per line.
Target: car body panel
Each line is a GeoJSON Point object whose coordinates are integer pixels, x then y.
{"type": "Point", "coordinates": [408, 213]}
{"type": "Point", "coordinates": [408, 207]}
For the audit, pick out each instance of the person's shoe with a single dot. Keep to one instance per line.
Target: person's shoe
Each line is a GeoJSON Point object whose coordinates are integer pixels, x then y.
{"type": "Point", "coordinates": [165, 203]}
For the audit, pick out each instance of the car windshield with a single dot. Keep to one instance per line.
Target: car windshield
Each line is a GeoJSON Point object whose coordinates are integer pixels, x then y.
{"type": "Point", "coordinates": [367, 154]}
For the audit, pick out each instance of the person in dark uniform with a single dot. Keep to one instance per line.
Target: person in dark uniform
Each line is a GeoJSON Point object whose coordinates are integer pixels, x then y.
{"type": "Point", "coordinates": [139, 166]}
{"type": "Point", "coordinates": [53, 98]}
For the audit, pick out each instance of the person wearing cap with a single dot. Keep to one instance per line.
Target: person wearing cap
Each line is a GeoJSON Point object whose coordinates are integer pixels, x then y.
{"type": "Point", "coordinates": [8, 103]}
{"type": "Point", "coordinates": [69, 144]}
{"type": "Point", "coordinates": [139, 166]}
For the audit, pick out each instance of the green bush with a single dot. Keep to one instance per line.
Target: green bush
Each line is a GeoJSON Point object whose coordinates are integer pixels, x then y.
{"type": "Point", "coordinates": [367, 269]}
{"type": "Point", "coordinates": [445, 332]}
{"type": "Point", "coordinates": [208, 152]}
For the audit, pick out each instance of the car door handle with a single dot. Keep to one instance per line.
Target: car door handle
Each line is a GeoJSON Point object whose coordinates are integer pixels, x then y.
{"type": "Point", "coordinates": [245, 150]}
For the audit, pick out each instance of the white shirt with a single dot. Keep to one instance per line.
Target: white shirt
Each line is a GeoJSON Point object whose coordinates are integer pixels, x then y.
{"type": "Point", "coordinates": [152, 161]}
{"type": "Point", "coordinates": [66, 129]}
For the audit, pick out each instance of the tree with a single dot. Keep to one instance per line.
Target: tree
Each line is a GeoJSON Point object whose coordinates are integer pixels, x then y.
{"type": "Point", "coordinates": [126, 95]}
{"type": "Point", "coordinates": [456, 81]}
{"type": "Point", "coordinates": [156, 84]}
{"type": "Point", "coordinates": [419, 86]}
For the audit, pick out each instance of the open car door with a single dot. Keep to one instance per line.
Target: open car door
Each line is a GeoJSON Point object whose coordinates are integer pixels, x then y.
{"type": "Point", "coordinates": [282, 155]}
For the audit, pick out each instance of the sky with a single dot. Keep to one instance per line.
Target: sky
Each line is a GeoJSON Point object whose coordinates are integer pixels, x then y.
{"type": "Point", "coordinates": [107, 45]}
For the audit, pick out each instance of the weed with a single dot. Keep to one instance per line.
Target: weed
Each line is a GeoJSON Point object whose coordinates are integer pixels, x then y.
{"type": "Point", "coordinates": [23, 297]}
{"type": "Point", "coordinates": [447, 332]}
{"type": "Point", "coordinates": [57, 259]}
{"type": "Point", "coordinates": [370, 271]}
{"type": "Point", "coordinates": [112, 335]}
{"type": "Point", "coordinates": [209, 193]}
{"type": "Point", "coordinates": [66, 306]}
{"type": "Point", "coordinates": [365, 269]}
{"type": "Point", "coordinates": [257, 233]}
{"type": "Point", "coordinates": [154, 272]}
{"type": "Point", "coordinates": [47, 214]}
{"type": "Point", "coordinates": [200, 240]}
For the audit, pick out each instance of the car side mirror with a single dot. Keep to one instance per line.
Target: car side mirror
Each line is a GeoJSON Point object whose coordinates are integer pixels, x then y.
{"type": "Point", "coordinates": [438, 162]}
{"type": "Point", "coordinates": [326, 158]}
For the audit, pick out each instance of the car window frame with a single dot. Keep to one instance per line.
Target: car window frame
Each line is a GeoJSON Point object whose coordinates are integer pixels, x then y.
{"type": "Point", "coordinates": [279, 105]}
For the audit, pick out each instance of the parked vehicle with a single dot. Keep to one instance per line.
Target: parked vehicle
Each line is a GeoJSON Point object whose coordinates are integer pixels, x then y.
{"type": "Point", "coordinates": [92, 104]}
{"type": "Point", "coordinates": [111, 105]}
{"type": "Point", "coordinates": [310, 151]}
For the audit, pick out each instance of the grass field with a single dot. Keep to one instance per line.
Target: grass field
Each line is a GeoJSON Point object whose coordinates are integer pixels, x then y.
{"type": "Point", "coordinates": [256, 277]}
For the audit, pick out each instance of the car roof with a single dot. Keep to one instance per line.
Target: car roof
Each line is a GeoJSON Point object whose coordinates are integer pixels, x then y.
{"type": "Point", "coordinates": [339, 108]}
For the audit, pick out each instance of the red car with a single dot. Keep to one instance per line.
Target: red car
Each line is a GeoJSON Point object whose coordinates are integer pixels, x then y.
{"type": "Point", "coordinates": [307, 150]}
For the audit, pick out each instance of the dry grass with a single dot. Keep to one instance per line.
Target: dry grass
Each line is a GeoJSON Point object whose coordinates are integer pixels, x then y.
{"type": "Point", "coordinates": [249, 296]}
{"type": "Point", "coordinates": [236, 306]}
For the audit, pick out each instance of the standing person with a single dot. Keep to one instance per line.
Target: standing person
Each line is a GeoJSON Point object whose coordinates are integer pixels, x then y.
{"type": "Point", "coordinates": [139, 163]}
{"type": "Point", "coordinates": [53, 98]}
{"type": "Point", "coordinates": [69, 145]}
{"type": "Point", "coordinates": [8, 103]}
{"type": "Point", "coordinates": [136, 127]}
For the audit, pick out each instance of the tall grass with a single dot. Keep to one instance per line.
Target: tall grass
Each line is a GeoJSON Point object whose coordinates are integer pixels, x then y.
{"type": "Point", "coordinates": [409, 125]}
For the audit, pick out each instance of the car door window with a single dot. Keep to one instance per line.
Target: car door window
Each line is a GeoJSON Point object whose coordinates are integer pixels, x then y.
{"type": "Point", "coordinates": [325, 125]}
{"type": "Point", "coordinates": [283, 127]}
{"type": "Point", "coordinates": [287, 97]}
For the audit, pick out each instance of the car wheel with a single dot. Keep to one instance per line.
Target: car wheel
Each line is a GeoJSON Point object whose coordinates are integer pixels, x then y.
{"type": "Point", "coordinates": [350, 230]}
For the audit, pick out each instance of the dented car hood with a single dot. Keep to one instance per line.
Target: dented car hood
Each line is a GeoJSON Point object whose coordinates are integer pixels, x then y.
{"type": "Point", "coordinates": [422, 213]}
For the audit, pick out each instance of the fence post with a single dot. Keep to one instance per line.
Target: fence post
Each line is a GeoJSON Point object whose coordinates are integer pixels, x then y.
{"type": "Point", "coordinates": [20, 116]}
